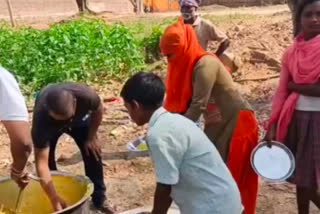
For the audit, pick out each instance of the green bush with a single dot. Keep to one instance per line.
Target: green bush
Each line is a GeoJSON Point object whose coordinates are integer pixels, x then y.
{"type": "Point", "coordinates": [151, 45]}
{"type": "Point", "coordinates": [80, 50]}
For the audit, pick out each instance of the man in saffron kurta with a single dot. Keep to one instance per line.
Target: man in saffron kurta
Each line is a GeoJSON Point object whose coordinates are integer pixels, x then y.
{"type": "Point", "coordinates": [194, 79]}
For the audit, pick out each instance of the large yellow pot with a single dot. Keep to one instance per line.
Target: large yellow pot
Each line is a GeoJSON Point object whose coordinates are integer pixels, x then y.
{"type": "Point", "coordinates": [75, 190]}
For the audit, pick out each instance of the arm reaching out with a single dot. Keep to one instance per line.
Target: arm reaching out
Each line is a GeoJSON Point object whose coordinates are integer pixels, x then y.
{"type": "Point", "coordinates": [41, 157]}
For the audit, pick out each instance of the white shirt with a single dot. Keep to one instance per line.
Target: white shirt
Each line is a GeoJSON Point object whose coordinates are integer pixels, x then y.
{"type": "Point", "coordinates": [12, 102]}
{"type": "Point", "coordinates": [187, 160]}
{"type": "Point", "coordinates": [307, 103]}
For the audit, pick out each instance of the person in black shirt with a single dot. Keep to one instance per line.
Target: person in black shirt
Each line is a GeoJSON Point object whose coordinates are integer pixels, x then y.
{"type": "Point", "coordinates": [74, 109]}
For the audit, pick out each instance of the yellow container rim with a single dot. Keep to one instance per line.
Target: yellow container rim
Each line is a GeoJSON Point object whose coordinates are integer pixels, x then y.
{"type": "Point", "coordinates": [81, 178]}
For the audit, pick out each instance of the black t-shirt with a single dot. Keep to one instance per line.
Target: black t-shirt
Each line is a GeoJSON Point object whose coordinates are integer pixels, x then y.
{"type": "Point", "coordinates": [45, 127]}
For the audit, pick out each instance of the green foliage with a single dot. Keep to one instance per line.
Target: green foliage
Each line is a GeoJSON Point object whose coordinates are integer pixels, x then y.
{"type": "Point", "coordinates": [151, 45]}
{"type": "Point", "coordinates": [80, 50]}
{"type": "Point", "coordinates": [87, 49]}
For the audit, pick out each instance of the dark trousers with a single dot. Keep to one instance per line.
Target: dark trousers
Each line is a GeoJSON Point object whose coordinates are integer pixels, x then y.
{"type": "Point", "coordinates": [93, 168]}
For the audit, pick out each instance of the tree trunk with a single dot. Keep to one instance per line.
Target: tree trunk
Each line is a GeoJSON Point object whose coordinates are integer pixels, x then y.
{"type": "Point", "coordinates": [10, 13]}
{"type": "Point", "coordinates": [140, 7]}
{"type": "Point", "coordinates": [82, 5]}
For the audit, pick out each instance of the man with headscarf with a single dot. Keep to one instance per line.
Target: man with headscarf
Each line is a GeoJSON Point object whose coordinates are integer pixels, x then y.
{"type": "Point", "coordinates": [207, 32]}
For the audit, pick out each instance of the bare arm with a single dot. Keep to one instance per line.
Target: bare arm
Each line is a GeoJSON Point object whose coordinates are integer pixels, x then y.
{"type": "Point", "coordinates": [222, 47]}
{"type": "Point", "coordinates": [312, 90]}
{"type": "Point", "coordinates": [92, 146]}
{"type": "Point", "coordinates": [20, 140]}
{"type": "Point", "coordinates": [271, 133]}
{"type": "Point", "coordinates": [96, 118]}
{"type": "Point", "coordinates": [162, 199]}
{"type": "Point", "coordinates": [41, 158]}
{"type": "Point", "coordinates": [217, 35]}
{"type": "Point", "coordinates": [20, 144]}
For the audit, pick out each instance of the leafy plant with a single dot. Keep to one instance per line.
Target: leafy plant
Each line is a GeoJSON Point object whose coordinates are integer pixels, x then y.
{"type": "Point", "coordinates": [151, 45]}
{"type": "Point", "coordinates": [80, 50]}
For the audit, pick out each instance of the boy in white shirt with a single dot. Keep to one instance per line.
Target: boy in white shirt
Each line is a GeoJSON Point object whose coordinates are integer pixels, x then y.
{"type": "Point", "coordinates": [189, 169]}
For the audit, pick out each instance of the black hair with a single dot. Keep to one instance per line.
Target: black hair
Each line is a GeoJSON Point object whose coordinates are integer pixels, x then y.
{"type": "Point", "coordinates": [59, 101]}
{"type": "Point", "coordinates": [300, 7]}
{"type": "Point", "coordinates": [144, 88]}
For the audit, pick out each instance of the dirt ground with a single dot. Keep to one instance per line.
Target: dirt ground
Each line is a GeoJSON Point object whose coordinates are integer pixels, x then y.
{"type": "Point", "coordinates": [258, 44]}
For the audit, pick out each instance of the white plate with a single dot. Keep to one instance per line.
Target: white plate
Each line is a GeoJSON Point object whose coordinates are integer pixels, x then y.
{"type": "Point", "coordinates": [275, 164]}
{"type": "Point", "coordinates": [138, 145]}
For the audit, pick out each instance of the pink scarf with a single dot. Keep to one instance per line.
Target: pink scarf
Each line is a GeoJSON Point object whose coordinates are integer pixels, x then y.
{"type": "Point", "coordinates": [301, 64]}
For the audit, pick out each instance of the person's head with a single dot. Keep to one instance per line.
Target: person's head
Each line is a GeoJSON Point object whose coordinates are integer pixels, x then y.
{"type": "Point", "coordinates": [143, 93]}
{"type": "Point", "coordinates": [60, 104]}
{"type": "Point", "coordinates": [173, 41]}
{"type": "Point", "coordinates": [188, 9]}
{"type": "Point", "coordinates": [178, 42]}
{"type": "Point", "coordinates": [308, 17]}
{"type": "Point", "coordinates": [180, 45]}
{"type": "Point", "coordinates": [189, 14]}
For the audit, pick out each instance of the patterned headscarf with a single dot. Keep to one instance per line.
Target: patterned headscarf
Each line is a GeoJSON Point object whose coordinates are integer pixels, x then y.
{"type": "Point", "coordinates": [190, 3]}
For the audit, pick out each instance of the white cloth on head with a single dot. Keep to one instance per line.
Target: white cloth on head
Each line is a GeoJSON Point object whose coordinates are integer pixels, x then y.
{"type": "Point", "coordinates": [12, 102]}
{"type": "Point", "coordinates": [190, 3]}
